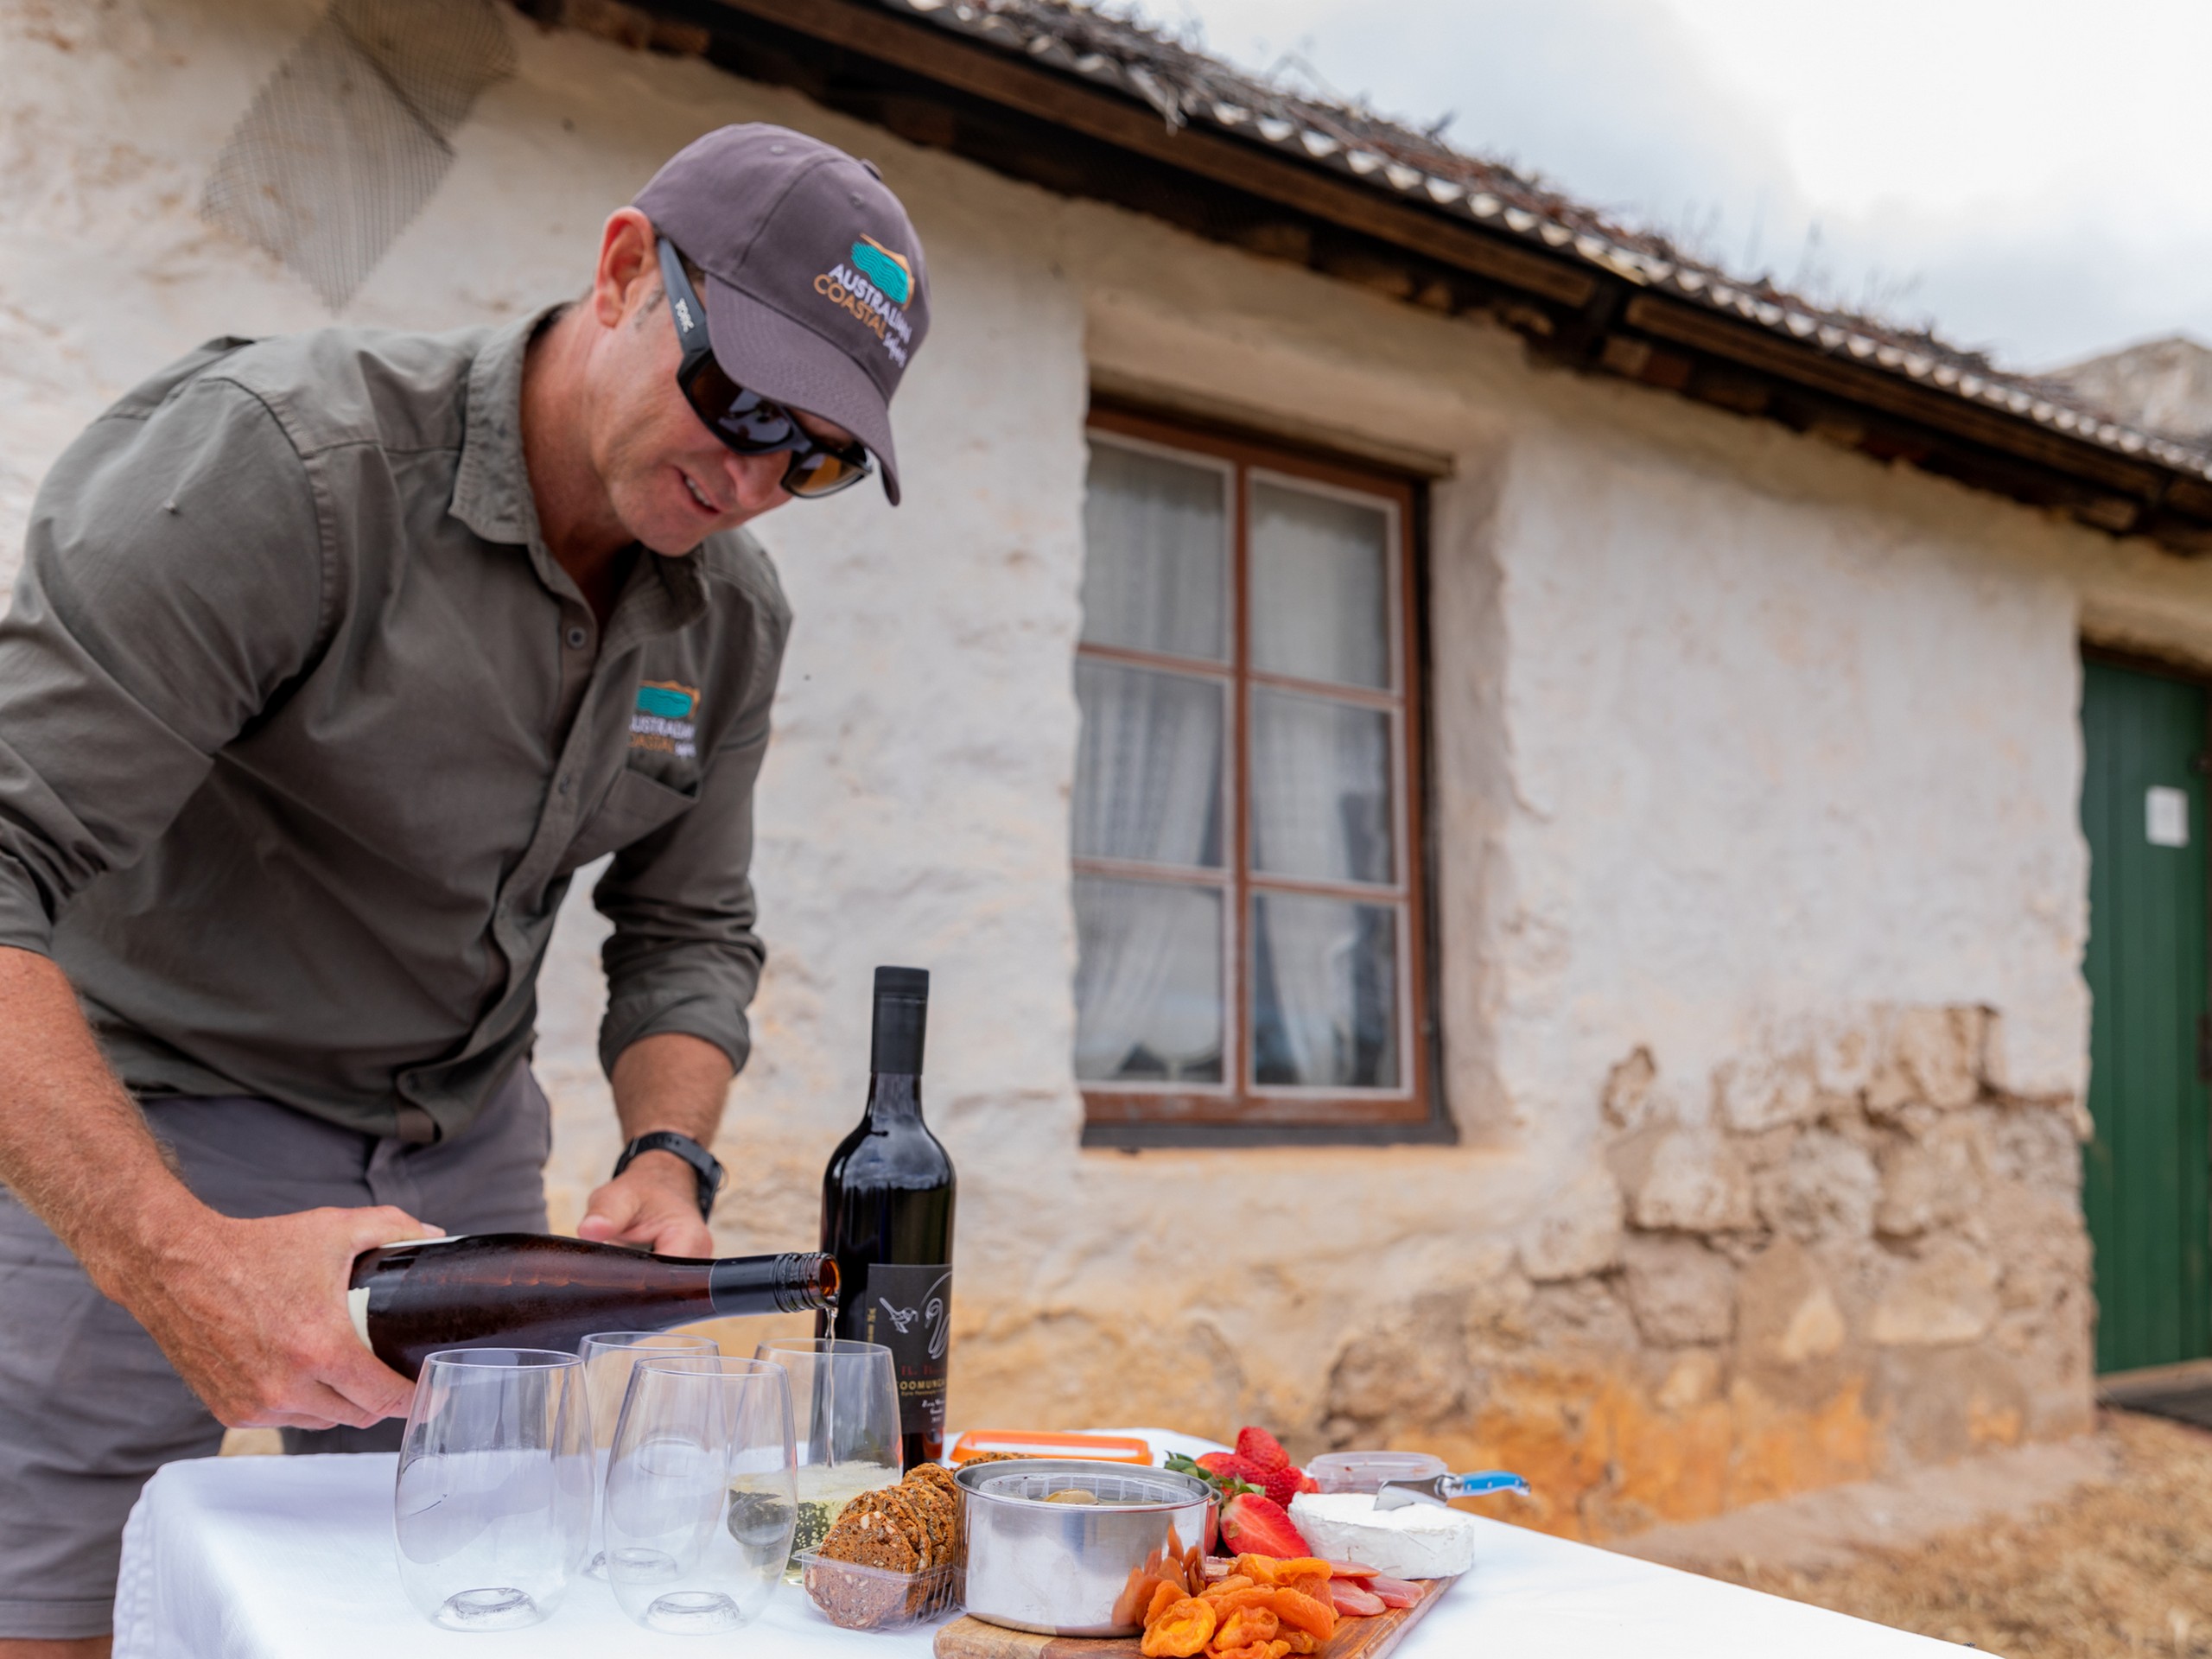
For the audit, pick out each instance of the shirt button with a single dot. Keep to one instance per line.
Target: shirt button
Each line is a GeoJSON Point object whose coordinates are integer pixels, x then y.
{"type": "Point", "coordinates": [567, 785]}
{"type": "Point", "coordinates": [578, 638]}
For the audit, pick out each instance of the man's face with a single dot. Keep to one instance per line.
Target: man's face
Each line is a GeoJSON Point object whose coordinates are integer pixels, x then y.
{"type": "Point", "coordinates": [670, 481]}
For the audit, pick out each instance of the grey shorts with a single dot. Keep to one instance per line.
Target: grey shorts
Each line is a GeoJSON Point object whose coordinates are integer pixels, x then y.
{"type": "Point", "coordinates": [89, 1407]}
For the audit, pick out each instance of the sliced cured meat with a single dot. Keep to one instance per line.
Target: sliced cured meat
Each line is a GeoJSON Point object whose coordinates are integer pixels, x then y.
{"type": "Point", "coordinates": [1352, 1601]}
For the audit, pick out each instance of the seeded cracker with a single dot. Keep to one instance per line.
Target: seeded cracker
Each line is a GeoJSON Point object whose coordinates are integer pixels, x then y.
{"type": "Point", "coordinates": [910, 1530]}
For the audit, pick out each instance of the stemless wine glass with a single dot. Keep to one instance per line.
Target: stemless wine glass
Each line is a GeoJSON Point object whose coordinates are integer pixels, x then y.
{"type": "Point", "coordinates": [845, 1415]}
{"type": "Point", "coordinates": [493, 1506]}
{"type": "Point", "coordinates": [609, 1357]}
{"type": "Point", "coordinates": [700, 1494]}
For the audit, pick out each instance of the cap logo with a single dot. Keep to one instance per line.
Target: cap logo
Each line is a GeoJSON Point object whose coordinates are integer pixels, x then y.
{"type": "Point", "coordinates": [885, 269]}
{"type": "Point", "coordinates": [873, 289]}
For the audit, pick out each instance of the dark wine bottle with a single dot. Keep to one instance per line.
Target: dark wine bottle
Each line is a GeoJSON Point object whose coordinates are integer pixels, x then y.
{"type": "Point", "coordinates": [886, 1217]}
{"type": "Point", "coordinates": [524, 1290]}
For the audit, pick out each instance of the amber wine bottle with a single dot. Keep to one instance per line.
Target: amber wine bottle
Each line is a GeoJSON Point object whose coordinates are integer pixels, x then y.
{"type": "Point", "coordinates": [886, 1217]}
{"type": "Point", "coordinates": [524, 1290]}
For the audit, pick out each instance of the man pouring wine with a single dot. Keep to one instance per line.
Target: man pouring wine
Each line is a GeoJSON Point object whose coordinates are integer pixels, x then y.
{"type": "Point", "coordinates": [333, 658]}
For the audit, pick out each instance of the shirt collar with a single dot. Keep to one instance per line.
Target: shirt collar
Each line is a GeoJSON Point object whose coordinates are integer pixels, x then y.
{"type": "Point", "coordinates": [491, 490]}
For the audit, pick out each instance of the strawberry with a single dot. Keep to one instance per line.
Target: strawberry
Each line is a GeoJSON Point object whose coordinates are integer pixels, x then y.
{"type": "Point", "coordinates": [1307, 1484]}
{"type": "Point", "coordinates": [1280, 1484]}
{"type": "Point", "coordinates": [1237, 1468]}
{"type": "Point", "coordinates": [1261, 1448]}
{"type": "Point", "coordinates": [1253, 1524]}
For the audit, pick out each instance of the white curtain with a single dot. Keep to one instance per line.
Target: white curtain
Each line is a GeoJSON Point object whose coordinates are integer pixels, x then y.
{"type": "Point", "coordinates": [1321, 587]}
{"type": "Point", "coordinates": [1320, 809]}
{"type": "Point", "coordinates": [1149, 771]}
{"type": "Point", "coordinates": [1325, 970]}
{"type": "Point", "coordinates": [1326, 1011]}
{"type": "Point", "coordinates": [1156, 567]}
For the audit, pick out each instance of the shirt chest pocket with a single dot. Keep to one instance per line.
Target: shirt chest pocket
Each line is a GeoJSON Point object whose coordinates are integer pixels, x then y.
{"type": "Point", "coordinates": [634, 807]}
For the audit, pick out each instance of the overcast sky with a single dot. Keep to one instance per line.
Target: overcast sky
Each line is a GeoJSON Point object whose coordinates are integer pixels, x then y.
{"type": "Point", "coordinates": [2035, 177]}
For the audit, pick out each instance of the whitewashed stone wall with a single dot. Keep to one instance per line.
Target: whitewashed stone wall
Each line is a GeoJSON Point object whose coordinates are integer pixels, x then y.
{"type": "Point", "coordinates": [1761, 890]}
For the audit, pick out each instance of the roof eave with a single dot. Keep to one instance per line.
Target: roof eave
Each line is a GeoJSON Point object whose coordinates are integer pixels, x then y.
{"type": "Point", "coordinates": [1596, 308]}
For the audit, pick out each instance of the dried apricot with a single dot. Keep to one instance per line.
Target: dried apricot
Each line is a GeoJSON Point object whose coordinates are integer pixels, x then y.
{"type": "Point", "coordinates": [1300, 1642]}
{"type": "Point", "coordinates": [1302, 1612]}
{"type": "Point", "coordinates": [1164, 1596]}
{"type": "Point", "coordinates": [1252, 1595]}
{"type": "Point", "coordinates": [1246, 1625]}
{"type": "Point", "coordinates": [1261, 1569]}
{"type": "Point", "coordinates": [1234, 1582]}
{"type": "Point", "coordinates": [1180, 1632]}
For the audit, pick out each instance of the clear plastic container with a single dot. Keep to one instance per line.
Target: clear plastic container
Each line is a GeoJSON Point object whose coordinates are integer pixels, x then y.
{"type": "Point", "coordinates": [860, 1597]}
{"type": "Point", "coordinates": [1365, 1472]}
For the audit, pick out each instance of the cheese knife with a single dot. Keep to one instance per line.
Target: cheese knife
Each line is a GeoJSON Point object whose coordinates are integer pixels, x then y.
{"type": "Point", "coordinates": [1440, 1490]}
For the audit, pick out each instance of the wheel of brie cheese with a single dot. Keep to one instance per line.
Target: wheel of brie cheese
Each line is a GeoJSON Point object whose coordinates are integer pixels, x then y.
{"type": "Point", "coordinates": [1417, 1542]}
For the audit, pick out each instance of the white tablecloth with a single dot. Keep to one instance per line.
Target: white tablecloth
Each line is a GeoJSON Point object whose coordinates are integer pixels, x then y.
{"type": "Point", "coordinates": [276, 1558]}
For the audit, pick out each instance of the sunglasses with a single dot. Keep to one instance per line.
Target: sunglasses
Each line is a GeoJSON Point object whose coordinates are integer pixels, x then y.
{"type": "Point", "coordinates": [748, 423]}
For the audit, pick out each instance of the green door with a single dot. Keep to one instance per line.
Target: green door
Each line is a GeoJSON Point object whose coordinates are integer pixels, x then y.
{"type": "Point", "coordinates": [2145, 1176]}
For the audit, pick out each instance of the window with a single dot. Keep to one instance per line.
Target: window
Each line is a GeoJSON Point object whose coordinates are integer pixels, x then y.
{"type": "Point", "coordinates": [1246, 839]}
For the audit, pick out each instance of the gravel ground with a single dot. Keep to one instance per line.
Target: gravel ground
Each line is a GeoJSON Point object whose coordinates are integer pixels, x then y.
{"type": "Point", "coordinates": [2117, 1570]}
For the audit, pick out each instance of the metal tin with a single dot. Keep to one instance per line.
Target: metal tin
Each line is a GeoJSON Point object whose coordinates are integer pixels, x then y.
{"type": "Point", "coordinates": [1074, 1569]}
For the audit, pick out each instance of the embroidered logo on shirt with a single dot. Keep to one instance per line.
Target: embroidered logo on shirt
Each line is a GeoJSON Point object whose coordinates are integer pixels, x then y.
{"type": "Point", "coordinates": [662, 723]}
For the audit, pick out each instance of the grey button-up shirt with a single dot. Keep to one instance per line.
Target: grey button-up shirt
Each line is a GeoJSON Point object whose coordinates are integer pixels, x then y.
{"type": "Point", "coordinates": [302, 733]}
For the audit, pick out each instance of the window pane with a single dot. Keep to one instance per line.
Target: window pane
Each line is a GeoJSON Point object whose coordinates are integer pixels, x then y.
{"type": "Point", "coordinates": [1325, 992]}
{"type": "Point", "coordinates": [1148, 770]}
{"type": "Point", "coordinates": [1147, 982]}
{"type": "Point", "coordinates": [1321, 587]}
{"type": "Point", "coordinates": [1155, 563]}
{"type": "Point", "coordinates": [1321, 789]}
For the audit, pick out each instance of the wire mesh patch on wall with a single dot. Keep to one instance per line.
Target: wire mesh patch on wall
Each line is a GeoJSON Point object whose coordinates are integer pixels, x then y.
{"type": "Point", "coordinates": [352, 134]}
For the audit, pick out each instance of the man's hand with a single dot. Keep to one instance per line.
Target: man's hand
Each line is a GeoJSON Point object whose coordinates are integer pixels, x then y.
{"type": "Point", "coordinates": [667, 1081]}
{"type": "Point", "coordinates": [252, 1314]}
{"type": "Point", "coordinates": [654, 1205]}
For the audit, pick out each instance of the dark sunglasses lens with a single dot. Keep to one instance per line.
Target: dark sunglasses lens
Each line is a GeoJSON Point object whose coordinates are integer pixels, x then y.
{"type": "Point", "coordinates": [820, 472]}
{"type": "Point", "coordinates": [742, 419]}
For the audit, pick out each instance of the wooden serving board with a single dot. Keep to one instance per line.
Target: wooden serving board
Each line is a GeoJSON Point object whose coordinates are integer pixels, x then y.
{"type": "Point", "coordinates": [1355, 1638]}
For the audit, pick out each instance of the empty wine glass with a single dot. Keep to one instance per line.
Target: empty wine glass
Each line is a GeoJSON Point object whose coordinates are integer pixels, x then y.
{"type": "Point", "coordinates": [845, 1416]}
{"type": "Point", "coordinates": [609, 1357]}
{"type": "Point", "coordinates": [493, 1506]}
{"type": "Point", "coordinates": [700, 1494]}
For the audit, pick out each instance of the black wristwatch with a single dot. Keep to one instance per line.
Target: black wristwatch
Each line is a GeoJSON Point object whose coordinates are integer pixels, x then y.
{"type": "Point", "coordinates": [704, 1164]}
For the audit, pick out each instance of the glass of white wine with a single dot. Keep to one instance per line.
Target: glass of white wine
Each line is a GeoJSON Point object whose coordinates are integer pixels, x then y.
{"type": "Point", "coordinates": [845, 1419]}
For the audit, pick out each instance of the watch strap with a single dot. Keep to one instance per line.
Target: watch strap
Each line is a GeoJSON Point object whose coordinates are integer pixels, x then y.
{"type": "Point", "coordinates": [704, 1165]}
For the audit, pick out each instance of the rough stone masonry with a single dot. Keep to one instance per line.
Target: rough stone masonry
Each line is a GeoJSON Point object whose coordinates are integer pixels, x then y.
{"type": "Point", "coordinates": [1860, 1253]}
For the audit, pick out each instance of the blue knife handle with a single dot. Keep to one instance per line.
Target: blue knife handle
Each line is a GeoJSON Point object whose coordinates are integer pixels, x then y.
{"type": "Point", "coordinates": [1487, 1480]}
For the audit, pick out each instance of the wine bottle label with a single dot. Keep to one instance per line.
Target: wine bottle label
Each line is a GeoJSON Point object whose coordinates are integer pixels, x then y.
{"type": "Point", "coordinates": [357, 1300]}
{"type": "Point", "coordinates": [909, 1311]}
{"type": "Point", "coordinates": [357, 1306]}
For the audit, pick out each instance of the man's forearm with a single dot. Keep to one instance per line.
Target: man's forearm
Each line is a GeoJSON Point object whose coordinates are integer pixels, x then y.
{"type": "Point", "coordinates": [73, 1146]}
{"type": "Point", "coordinates": [667, 1081]}
{"type": "Point", "coordinates": [671, 1081]}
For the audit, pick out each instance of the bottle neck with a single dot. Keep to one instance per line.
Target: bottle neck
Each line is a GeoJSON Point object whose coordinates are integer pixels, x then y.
{"type": "Point", "coordinates": [893, 1096]}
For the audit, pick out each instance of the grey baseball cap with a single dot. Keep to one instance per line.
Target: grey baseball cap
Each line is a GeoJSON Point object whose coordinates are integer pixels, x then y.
{"type": "Point", "coordinates": [816, 296]}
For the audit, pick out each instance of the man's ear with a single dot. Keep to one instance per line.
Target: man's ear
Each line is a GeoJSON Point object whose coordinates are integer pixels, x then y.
{"type": "Point", "coordinates": [629, 268]}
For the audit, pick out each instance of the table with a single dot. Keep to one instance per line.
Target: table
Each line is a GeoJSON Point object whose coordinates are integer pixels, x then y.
{"type": "Point", "coordinates": [270, 1558]}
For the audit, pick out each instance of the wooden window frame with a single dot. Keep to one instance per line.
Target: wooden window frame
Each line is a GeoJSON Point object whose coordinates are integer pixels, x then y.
{"type": "Point", "coordinates": [1237, 1112]}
